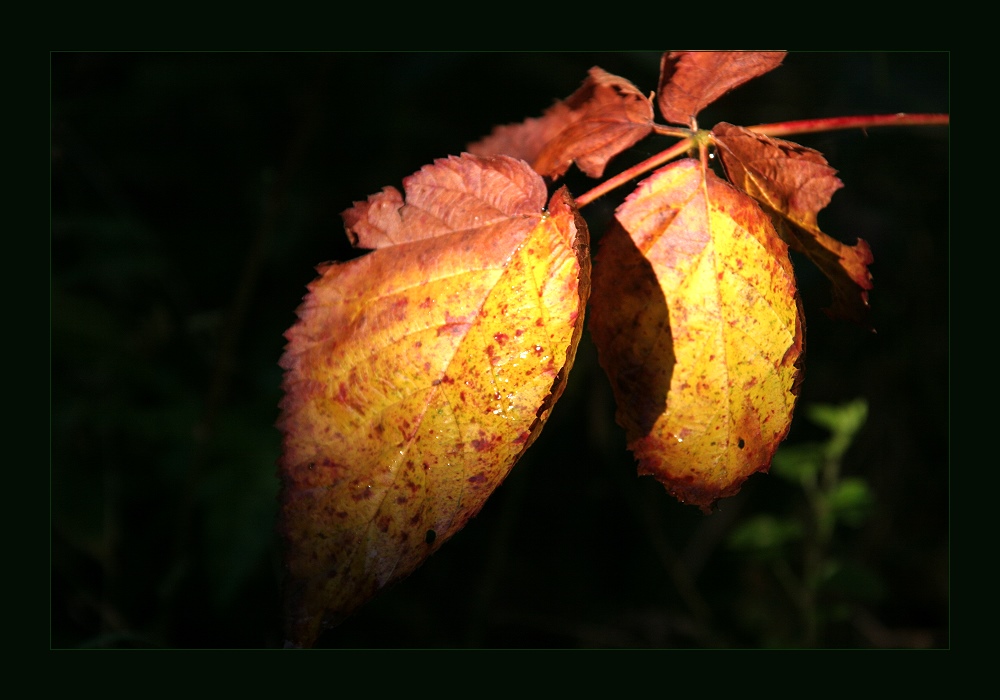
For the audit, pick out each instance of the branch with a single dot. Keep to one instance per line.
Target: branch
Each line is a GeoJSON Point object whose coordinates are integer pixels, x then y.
{"type": "Point", "coordinates": [634, 172]}
{"type": "Point", "coordinates": [833, 123]}
{"type": "Point", "coordinates": [778, 129]}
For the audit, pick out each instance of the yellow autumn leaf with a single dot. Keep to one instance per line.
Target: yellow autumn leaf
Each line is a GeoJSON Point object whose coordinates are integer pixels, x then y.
{"type": "Point", "coordinates": [696, 319]}
{"type": "Point", "coordinates": [418, 374]}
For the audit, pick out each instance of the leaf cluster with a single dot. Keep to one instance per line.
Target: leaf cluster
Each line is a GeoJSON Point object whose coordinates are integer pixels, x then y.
{"type": "Point", "coordinates": [420, 373]}
{"type": "Point", "coordinates": [188, 195]}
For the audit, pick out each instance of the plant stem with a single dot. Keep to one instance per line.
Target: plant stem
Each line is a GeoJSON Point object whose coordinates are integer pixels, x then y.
{"type": "Point", "coordinates": [634, 172]}
{"type": "Point", "coordinates": [777, 129]}
{"type": "Point", "coordinates": [833, 123]}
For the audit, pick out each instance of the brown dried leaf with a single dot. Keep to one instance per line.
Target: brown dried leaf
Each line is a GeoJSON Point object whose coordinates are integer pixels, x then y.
{"type": "Point", "coordinates": [794, 183]}
{"type": "Point", "coordinates": [692, 80]}
{"type": "Point", "coordinates": [696, 319]}
{"type": "Point", "coordinates": [604, 117]}
{"type": "Point", "coordinates": [418, 374]}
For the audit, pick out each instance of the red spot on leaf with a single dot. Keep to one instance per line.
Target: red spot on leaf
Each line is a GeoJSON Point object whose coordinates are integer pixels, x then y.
{"type": "Point", "coordinates": [501, 338]}
{"type": "Point", "coordinates": [398, 308]}
{"type": "Point", "coordinates": [362, 494]}
{"type": "Point", "coordinates": [453, 325]}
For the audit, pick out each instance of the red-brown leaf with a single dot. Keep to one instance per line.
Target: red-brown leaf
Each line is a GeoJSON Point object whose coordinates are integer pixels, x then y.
{"type": "Point", "coordinates": [418, 374]}
{"type": "Point", "coordinates": [692, 80]}
{"type": "Point", "coordinates": [794, 183]}
{"type": "Point", "coordinates": [604, 117]}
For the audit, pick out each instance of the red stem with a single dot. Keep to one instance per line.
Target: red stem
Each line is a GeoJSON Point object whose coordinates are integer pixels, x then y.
{"type": "Point", "coordinates": [633, 172]}
{"type": "Point", "coordinates": [778, 129]}
{"type": "Point", "coordinates": [834, 123]}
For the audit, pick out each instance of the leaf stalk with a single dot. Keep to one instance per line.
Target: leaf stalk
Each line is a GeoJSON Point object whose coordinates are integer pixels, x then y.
{"type": "Point", "coordinates": [802, 126]}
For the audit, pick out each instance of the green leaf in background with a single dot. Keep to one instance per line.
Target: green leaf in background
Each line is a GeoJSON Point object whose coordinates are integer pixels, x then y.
{"type": "Point", "coordinates": [798, 463]}
{"type": "Point", "coordinates": [764, 535]}
{"type": "Point", "coordinates": [852, 501]}
{"type": "Point", "coordinates": [842, 421]}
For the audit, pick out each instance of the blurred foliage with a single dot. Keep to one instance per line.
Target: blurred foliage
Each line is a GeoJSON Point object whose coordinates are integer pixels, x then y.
{"type": "Point", "coordinates": [799, 547]}
{"type": "Point", "coordinates": [192, 195]}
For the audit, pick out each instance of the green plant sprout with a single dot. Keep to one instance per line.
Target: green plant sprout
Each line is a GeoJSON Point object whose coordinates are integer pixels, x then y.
{"type": "Point", "coordinates": [830, 500]}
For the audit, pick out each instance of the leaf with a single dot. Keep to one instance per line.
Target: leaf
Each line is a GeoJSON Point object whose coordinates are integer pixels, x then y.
{"type": "Point", "coordinates": [696, 320]}
{"type": "Point", "coordinates": [844, 422]}
{"type": "Point", "coordinates": [418, 374]}
{"type": "Point", "coordinates": [692, 80]}
{"type": "Point", "coordinates": [852, 501]}
{"type": "Point", "coordinates": [765, 535]}
{"type": "Point", "coordinates": [604, 117]}
{"type": "Point", "coordinates": [794, 183]}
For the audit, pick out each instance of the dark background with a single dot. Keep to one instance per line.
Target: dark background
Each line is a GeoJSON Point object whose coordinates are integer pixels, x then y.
{"type": "Point", "coordinates": [192, 194]}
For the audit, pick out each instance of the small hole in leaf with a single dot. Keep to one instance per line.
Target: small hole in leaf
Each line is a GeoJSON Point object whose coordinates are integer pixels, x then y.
{"type": "Point", "coordinates": [430, 537]}
{"type": "Point", "coordinates": [740, 444]}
